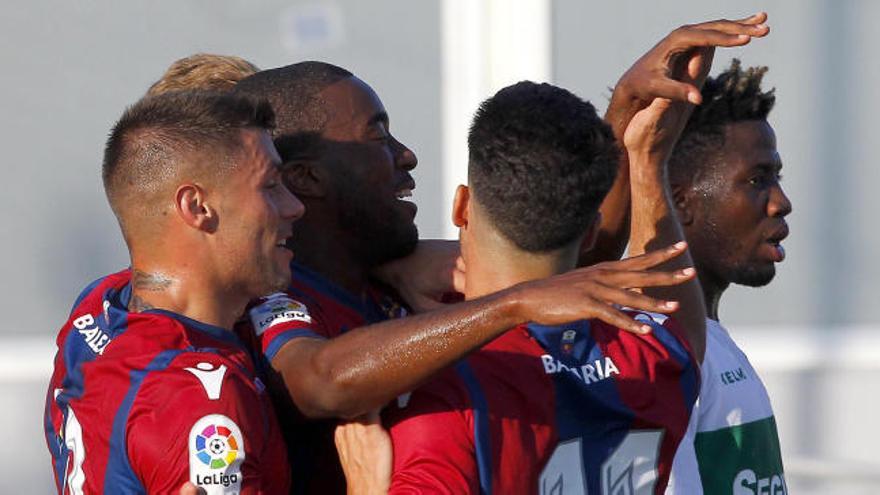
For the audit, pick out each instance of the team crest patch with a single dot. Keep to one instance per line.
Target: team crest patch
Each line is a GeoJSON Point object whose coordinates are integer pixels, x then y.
{"type": "Point", "coordinates": [216, 453]}
{"type": "Point", "coordinates": [277, 309]}
{"type": "Point", "coordinates": [567, 342]}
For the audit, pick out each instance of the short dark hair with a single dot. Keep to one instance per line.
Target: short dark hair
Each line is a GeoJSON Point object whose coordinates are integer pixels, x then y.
{"type": "Point", "coordinates": [735, 95]}
{"type": "Point", "coordinates": [292, 91]}
{"type": "Point", "coordinates": [160, 135]}
{"type": "Point", "coordinates": [541, 162]}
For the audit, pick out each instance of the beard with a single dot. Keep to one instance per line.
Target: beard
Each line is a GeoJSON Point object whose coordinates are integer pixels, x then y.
{"type": "Point", "coordinates": [730, 260]}
{"type": "Point", "coordinates": [752, 275]}
{"type": "Point", "coordinates": [383, 233]}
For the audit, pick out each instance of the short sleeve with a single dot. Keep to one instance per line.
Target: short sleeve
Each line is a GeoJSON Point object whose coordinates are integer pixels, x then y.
{"type": "Point", "coordinates": [432, 433]}
{"type": "Point", "coordinates": [279, 318]}
{"type": "Point", "coordinates": [204, 422]}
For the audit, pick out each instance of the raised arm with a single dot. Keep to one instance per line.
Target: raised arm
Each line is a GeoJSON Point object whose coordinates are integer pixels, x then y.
{"type": "Point", "coordinates": [658, 73]}
{"type": "Point", "coordinates": [649, 140]}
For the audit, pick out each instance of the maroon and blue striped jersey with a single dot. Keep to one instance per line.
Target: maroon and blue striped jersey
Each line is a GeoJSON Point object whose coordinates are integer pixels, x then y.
{"type": "Point", "coordinates": [312, 307]}
{"type": "Point", "coordinates": [571, 409]}
{"type": "Point", "coordinates": [143, 402]}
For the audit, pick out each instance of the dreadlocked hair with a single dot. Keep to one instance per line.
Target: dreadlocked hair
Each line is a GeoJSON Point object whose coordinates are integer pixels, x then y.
{"type": "Point", "coordinates": [735, 95]}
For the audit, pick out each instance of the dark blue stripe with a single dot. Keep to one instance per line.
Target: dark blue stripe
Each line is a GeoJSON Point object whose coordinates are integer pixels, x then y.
{"type": "Point", "coordinates": [56, 446]}
{"type": "Point", "coordinates": [482, 434]}
{"type": "Point", "coordinates": [279, 341]}
{"type": "Point", "coordinates": [676, 349]}
{"type": "Point", "coordinates": [119, 477]}
{"type": "Point", "coordinates": [76, 353]}
{"type": "Point", "coordinates": [82, 295]}
{"type": "Point", "coordinates": [216, 332]}
{"type": "Point", "coordinates": [368, 309]}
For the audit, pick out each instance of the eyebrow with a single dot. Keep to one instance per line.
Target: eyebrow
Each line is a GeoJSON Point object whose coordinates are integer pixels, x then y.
{"type": "Point", "coordinates": [379, 118]}
{"type": "Point", "coordinates": [772, 166]}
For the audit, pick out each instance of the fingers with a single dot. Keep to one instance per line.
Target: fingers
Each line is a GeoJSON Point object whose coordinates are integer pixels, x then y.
{"type": "Point", "coordinates": [627, 279]}
{"type": "Point", "coordinates": [752, 20]}
{"type": "Point", "coordinates": [617, 318]}
{"type": "Point", "coordinates": [647, 260]}
{"type": "Point", "coordinates": [753, 25]}
{"type": "Point", "coordinates": [634, 300]}
{"type": "Point", "coordinates": [687, 38]}
{"type": "Point", "coordinates": [675, 90]}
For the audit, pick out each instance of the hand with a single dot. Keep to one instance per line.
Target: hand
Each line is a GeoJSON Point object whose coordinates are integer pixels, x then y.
{"type": "Point", "coordinates": [365, 453]}
{"type": "Point", "coordinates": [676, 67]}
{"type": "Point", "coordinates": [426, 275]}
{"type": "Point", "coordinates": [190, 489]}
{"type": "Point", "coordinates": [597, 291]}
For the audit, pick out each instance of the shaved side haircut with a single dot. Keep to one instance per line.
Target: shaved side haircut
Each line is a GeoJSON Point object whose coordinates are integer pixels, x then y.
{"type": "Point", "coordinates": [164, 139]}
{"type": "Point", "coordinates": [541, 162]}
{"type": "Point", "coordinates": [203, 71]}
{"type": "Point", "coordinates": [733, 96]}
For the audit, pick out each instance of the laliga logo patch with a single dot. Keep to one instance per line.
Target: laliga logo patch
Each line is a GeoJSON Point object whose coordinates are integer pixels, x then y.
{"type": "Point", "coordinates": [277, 309]}
{"type": "Point", "coordinates": [216, 452]}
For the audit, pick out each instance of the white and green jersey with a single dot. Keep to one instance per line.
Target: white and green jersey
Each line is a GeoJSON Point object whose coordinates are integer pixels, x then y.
{"type": "Point", "coordinates": [731, 446]}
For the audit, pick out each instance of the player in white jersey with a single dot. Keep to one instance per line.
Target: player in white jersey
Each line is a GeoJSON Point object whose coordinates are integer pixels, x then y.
{"type": "Point", "coordinates": [725, 179]}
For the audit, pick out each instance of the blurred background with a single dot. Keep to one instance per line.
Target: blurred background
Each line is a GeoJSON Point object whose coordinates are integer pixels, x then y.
{"type": "Point", "coordinates": [69, 69]}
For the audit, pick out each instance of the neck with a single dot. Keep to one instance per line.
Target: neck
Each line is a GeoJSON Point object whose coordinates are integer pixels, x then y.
{"type": "Point", "coordinates": [327, 252]}
{"type": "Point", "coordinates": [186, 291]}
{"type": "Point", "coordinates": [497, 266]}
{"type": "Point", "coordinates": [713, 288]}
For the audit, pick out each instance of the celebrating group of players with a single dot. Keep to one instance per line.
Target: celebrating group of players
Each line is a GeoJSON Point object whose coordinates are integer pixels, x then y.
{"type": "Point", "coordinates": [218, 364]}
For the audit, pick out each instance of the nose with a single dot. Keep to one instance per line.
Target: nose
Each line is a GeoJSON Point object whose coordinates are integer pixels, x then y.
{"type": "Point", "coordinates": [779, 204]}
{"type": "Point", "coordinates": [292, 208]}
{"type": "Point", "coordinates": [404, 157]}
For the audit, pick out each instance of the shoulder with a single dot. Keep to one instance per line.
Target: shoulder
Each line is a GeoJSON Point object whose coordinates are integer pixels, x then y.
{"type": "Point", "coordinates": [276, 310]}
{"type": "Point", "coordinates": [666, 337]}
{"type": "Point", "coordinates": [96, 288]}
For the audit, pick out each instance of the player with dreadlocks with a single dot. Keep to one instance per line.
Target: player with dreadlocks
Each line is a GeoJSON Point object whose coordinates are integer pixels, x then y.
{"type": "Point", "coordinates": [725, 180]}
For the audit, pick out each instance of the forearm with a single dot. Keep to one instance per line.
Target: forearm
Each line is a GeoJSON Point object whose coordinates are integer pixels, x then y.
{"type": "Point", "coordinates": [614, 228]}
{"type": "Point", "coordinates": [365, 368]}
{"type": "Point", "coordinates": [654, 225]}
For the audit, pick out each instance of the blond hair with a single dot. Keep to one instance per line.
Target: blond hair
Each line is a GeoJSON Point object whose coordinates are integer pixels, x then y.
{"type": "Point", "coordinates": [203, 71]}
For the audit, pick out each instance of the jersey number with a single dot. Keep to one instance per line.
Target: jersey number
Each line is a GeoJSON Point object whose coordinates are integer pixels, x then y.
{"type": "Point", "coordinates": [73, 439]}
{"type": "Point", "coordinates": [630, 470]}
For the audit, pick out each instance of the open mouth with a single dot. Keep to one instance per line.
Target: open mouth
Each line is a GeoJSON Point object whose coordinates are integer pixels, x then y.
{"type": "Point", "coordinates": [284, 243]}
{"type": "Point", "coordinates": [404, 189]}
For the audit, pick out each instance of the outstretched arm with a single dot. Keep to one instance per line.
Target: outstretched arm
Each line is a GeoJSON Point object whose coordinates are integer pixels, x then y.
{"type": "Point", "coordinates": [649, 140]}
{"type": "Point", "coordinates": [657, 74]}
{"type": "Point", "coordinates": [364, 368]}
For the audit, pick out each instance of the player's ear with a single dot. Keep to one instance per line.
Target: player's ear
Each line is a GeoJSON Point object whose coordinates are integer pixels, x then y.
{"type": "Point", "coordinates": [460, 206]}
{"type": "Point", "coordinates": [193, 207]}
{"type": "Point", "coordinates": [304, 179]}
{"type": "Point", "coordinates": [684, 202]}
